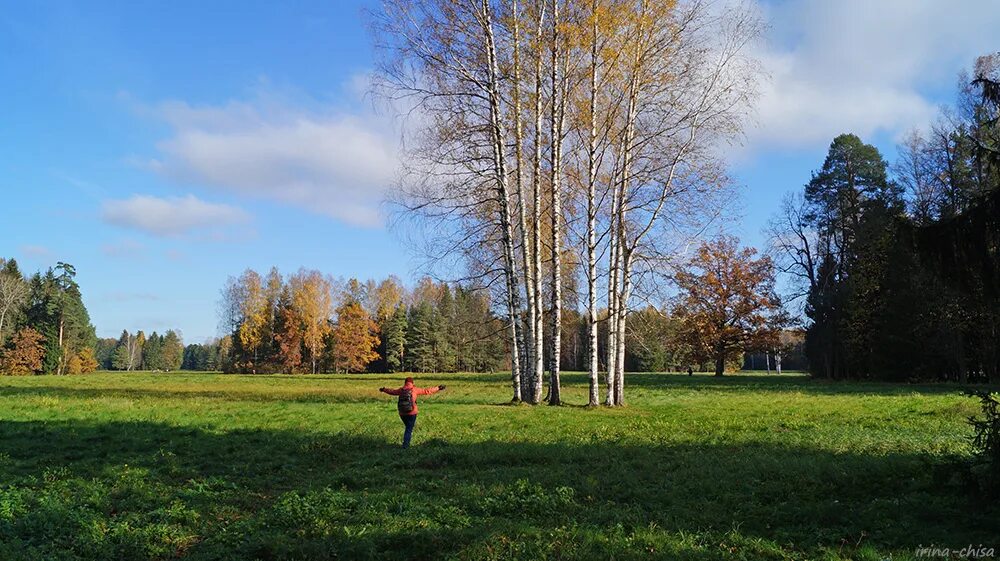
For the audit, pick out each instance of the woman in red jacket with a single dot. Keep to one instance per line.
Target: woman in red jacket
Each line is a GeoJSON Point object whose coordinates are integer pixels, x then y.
{"type": "Point", "coordinates": [407, 405]}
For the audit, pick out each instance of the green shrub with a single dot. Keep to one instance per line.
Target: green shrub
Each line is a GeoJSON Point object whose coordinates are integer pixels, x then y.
{"type": "Point", "coordinates": [986, 442]}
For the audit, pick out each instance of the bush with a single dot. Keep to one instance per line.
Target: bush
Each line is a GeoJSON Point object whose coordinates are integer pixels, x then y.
{"type": "Point", "coordinates": [986, 442]}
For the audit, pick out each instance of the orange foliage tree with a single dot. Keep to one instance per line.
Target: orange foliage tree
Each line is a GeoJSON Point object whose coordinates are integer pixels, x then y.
{"type": "Point", "coordinates": [727, 302]}
{"type": "Point", "coordinates": [24, 353]}
{"type": "Point", "coordinates": [288, 334]}
{"type": "Point", "coordinates": [355, 338]}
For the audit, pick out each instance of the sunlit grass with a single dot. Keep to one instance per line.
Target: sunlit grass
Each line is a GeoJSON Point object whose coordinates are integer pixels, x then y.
{"type": "Point", "coordinates": [206, 466]}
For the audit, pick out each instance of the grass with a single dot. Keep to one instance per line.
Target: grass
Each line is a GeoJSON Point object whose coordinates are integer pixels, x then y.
{"type": "Point", "coordinates": [207, 466]}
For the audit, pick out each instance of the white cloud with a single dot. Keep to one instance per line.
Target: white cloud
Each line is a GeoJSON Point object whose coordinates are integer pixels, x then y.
{"type": "Point", "coordinates": [173, 216]}
{"type": "Point", "coordinates": [864, 67]}
{"type": "Point", "coordinates": [332, 163]}
{"type": "Point", "coordinates": [127, 248]}
{"type": "Point", "coordinates": [35, 251]}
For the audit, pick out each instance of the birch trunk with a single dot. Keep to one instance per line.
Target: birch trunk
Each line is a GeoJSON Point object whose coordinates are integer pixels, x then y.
{"type": "Point", "coordinates": [538, 368]}
{"type": "Point", "coordinates": [503, 195]}
{"type": "Point", "coordinates": [592, 358]}
{"type": "Point", "coordinates": [528, 331]}
{"type": "Point", "coordinates": [612, 350]}
{"type": "Point", "coordinates": [556, 133]}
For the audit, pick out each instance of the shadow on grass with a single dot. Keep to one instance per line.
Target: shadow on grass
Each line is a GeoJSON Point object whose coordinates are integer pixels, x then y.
{"type": "Point", "coordinates": [775, 383]}
{"type": "Point", "coordinates": [149, 491]}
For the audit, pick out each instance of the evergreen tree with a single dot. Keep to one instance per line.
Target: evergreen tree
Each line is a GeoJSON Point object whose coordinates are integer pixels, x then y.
{"type": "Point", "coordinates": [56, 310]}
{"type": "Point", "coordinates": [394, 340]}
{"type": "Point", "coordinates": [152, 353]}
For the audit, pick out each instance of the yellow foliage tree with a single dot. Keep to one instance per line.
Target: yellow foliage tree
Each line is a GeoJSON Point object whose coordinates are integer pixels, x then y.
{"type": "Point", "coordinates": [312, 300]}
{"type": "Point", "coordinates": [73, 365]}
{"type": "Point", "coordinates": [88, 362]}
{"type": "Point", "coordinates": [355, 338]}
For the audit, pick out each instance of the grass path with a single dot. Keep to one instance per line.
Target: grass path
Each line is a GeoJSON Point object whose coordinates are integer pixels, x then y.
{"type": "Point", "coordinates": [207, 466]}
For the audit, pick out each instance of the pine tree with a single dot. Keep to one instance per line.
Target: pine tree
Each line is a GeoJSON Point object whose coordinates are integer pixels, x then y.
{"type": "Point", "coordinates": [394, 340]}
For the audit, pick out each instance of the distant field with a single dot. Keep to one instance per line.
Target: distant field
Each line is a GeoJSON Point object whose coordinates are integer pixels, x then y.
{"type": "Point", "coordinates": [208, 466]}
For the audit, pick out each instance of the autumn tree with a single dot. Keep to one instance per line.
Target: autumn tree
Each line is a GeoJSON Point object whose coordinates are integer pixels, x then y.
{"type": "Point", "coordinates": [172, 351]}
{"type": "Point", "coordinates": [727, 302]}
{"type": "Point", "coordinates": [355, 338]}
{"type": "Point", "coordinates": [24, 353]}
{"type": "Point", "coordinates": [523, 107]}
{"type": "Point", "coordinates": [88, 362]}
{"type": "Point", "coordinates": [312, 300]}
{"type": "Point", "coordinates": [254, 314]}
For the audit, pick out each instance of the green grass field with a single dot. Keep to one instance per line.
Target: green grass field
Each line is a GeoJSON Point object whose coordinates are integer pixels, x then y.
{"type": "Point", "coordinates": [203, 466]}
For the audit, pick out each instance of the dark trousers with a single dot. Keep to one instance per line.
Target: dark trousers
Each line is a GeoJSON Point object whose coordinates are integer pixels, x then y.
{"type": "Point", "coordinates": [408, 421]}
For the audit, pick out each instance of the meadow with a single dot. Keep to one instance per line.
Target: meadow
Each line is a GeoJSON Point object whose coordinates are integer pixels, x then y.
{"type": "Point", "coordinates": [210, 466]}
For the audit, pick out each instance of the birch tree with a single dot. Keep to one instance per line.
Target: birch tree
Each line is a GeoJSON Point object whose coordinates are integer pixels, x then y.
{"type": "Point", "coordinates": [444, 59]}
{"type": "Point", "coordinates": [618, 107]}
{"type": "Point", "coordinates": [13, 294]}
{"type": "Point", "coordinates": [689, 84]}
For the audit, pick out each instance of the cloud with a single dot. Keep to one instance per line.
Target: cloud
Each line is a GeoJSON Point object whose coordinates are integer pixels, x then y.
{"type": "Point", "coordinates": [863, 67]}
{"type": "Point", "coordinates": [337, 164]}
{"type": "Point", "coordinates": [128, 248]}
{"type": "Point", "coordinates": [171, 217]}
{"type": "Point", "coordinates": [131, 297]}
{"type": "Point", "coordinates": [35, 251]}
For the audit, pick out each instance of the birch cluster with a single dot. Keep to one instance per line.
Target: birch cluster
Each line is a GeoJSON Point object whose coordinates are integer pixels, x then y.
{"type": "Point", "coordinates": [562, 151]}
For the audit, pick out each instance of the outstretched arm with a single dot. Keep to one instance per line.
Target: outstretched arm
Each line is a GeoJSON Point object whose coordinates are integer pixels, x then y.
{"type": "Point", "coordinates": [389, 391]}
{"type": "Point", "coordinates": [429, 391]}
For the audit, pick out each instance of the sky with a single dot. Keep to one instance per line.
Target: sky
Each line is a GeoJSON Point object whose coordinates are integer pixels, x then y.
{"type": "Point", "coordinates": [161, 147]}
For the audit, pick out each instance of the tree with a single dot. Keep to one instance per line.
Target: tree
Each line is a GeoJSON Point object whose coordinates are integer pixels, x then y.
{"type": "Point", "coordinates": [55, 308]}
{"type": "Point", "coordinates": [394, 339]}
{"type": "Point", "coordinates": [255, 316]}
{"type": "Point", "coordinates": [152, 352]}
{"type": "Point", "coordinates": [88, 362]}
{"type": "Point", "coordinates": [288, 333]}
{"type": "Point", "coordinates": [313, 302]}
{"type": "Point", "coordinates": [13, 294]}
{"type": "Point", "coordinates": [355, 338]}
{"type": "Point", "coordinates": [24, 353]}
{"type": "Point", "coordinates": [727, 302]}
{"type": "Point", "coordinates": [669, 82]}
{"type": "Point", "coordinates": [128, 352]}
{"type": "Point", "coordinates": [172, 351]}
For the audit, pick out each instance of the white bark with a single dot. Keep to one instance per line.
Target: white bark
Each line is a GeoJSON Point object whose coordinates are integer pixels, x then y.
{"type": "Point", "coordinates": [592, 352]}
{"type": "Point", "coordinates": [528, 334]}
{"type": "Point", "coordinates": [503, 194]}
{"type": "Point", "coordinates": [556, 137]}
{"type": "Point", "coordinates": [538, 368]}
{"type": "Point", "coordinates": [13, 293]}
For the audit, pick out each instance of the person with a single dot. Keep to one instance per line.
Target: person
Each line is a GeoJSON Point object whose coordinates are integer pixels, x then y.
{"type": "Point", "coordinates": [690, 372]}
{"type": "Point", "coordinates": [407, 405]}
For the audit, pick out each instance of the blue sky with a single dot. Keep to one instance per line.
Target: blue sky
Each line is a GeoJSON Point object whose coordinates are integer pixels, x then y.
{"type": "Point", "coordinates": [246, 119]}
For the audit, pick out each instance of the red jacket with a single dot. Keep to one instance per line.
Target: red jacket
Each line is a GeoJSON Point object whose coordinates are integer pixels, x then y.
{"type": "Point", "coordinates": [416, 392]}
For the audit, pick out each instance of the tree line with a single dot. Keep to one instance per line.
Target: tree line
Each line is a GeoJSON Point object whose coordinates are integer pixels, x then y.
{"type": "Point", "coordinates": [311, 322]}
{"type": "Point", "coordinates": [382, 326]}
{"type": "Point", "coordinates": [898, 266]}
{"type": "Point", "coordinates": [44, 325]}
{"type": "Point", "coordinates": [136, 351]}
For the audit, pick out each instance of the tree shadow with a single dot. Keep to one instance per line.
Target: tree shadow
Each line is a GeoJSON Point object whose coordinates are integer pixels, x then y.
{"type": "Point", "coordinates": [783, 383]}
{"type": "Point", "coordinates": [143, 490]}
